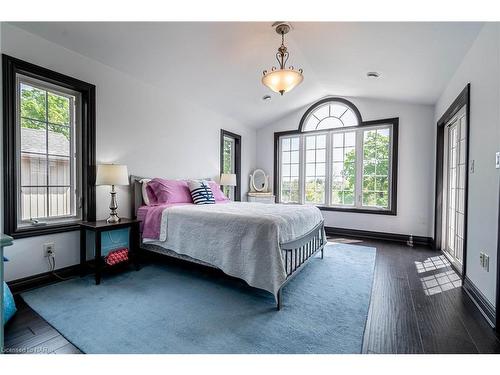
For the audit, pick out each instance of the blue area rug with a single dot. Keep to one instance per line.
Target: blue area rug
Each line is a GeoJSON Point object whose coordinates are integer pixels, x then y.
{"type": "Point", "coordinates": [171, 309]}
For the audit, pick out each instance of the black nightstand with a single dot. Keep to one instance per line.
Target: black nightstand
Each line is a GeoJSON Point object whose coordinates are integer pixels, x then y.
{"type": "Point", "coordinates": [101, 226]}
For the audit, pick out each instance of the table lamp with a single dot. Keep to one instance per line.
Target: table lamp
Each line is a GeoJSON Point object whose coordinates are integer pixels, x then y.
{"type": "Point", "coordinates": [112, 174]}
{"type": "Point", "coordinates": [228, 179]}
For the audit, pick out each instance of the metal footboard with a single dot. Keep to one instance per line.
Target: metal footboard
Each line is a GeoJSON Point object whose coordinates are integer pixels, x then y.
{"type": "Point", "coordinates": [298, 252]}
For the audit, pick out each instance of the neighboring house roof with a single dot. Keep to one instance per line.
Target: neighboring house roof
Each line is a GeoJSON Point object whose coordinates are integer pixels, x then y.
{"type": "Point", "coordinates": [34, 140]}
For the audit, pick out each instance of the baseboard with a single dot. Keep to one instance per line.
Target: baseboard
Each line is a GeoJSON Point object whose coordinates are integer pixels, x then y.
{"type": "Point", "coordinates": [485, 307]}
{"type": "Point", "coordinates": [365, 234]}
{"type": "Point", "coordinates": [35, 281]}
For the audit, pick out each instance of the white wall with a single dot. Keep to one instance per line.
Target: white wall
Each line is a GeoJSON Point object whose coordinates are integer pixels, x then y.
{"type": "Point", "coordinates": [415, 171]}
{"type": "Point", "coordinates": [153, 131]}
{"type": "Point", "coordinates": [481, 67]}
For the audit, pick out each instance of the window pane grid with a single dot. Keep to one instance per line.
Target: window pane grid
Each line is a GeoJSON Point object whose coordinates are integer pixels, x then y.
{"type": "Point", "coordinates": [47, 186]}
{"type": "Point", "coordinates": [352, 165]}
{"type": "Point", "coordinates": [290, 170]}
{"type": "Point", "coordinates": [315, 161]}
{"type": "Point", "coordinates": [343, 169]}
{"type": "Point", "coordinates": [375, 181]}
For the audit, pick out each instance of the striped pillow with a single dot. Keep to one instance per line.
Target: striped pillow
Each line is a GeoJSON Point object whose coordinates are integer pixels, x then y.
{"type": "Point", "coordinates": [201, 192]}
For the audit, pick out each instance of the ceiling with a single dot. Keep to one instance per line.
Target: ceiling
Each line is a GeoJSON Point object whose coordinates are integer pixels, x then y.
{"type": "Point", "coordinates": [220, 64]}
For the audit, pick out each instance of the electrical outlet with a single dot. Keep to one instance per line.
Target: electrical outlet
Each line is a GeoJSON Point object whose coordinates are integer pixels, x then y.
{"type": "Point", "coordinates": [49, 249]}
{"type": "Point", "coordinates": [484, 261]}
{"type": "Point", "coordinates": [497, 160]}
{"type": "Point", "coordinates": [472, 166]}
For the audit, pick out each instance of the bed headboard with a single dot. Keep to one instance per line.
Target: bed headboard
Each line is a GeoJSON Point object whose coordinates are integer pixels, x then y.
{"type": "Point", "coordinates": [136, 193]}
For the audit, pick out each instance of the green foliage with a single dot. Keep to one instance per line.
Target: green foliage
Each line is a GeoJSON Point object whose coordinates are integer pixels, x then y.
{"type": "Point", "coordinates": [39, 107]}
{"type": "Point", "coordinates": [375, 172]}
{"type": "Point", "coordinates": [227, 164]}
{"type": "Point", "coordinates": [315, 190]}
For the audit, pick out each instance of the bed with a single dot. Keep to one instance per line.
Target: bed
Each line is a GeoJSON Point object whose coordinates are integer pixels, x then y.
{"type": "Point", "coordinates": [264, 245]}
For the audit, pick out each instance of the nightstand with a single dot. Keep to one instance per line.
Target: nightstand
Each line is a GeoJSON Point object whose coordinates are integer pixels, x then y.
{"type": "Point", "coordinates": [98, 227]}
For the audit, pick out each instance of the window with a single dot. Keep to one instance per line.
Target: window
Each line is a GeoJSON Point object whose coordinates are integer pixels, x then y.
{"type": "Point", "coordinates": [49, 187]}
{"type": "Point", "coordinates": [49, 155]}
{"type": "Point", "coordinates": [338, 162]}
{"type": "Point", "coordinates": [230, 159]}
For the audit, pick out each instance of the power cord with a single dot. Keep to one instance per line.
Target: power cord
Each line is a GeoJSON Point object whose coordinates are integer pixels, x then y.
{"type": "Point", "coordinates": [51, 260]}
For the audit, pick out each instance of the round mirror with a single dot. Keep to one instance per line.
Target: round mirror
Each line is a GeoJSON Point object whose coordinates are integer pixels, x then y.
{"type": "Point", "coordinates": [259, 180]}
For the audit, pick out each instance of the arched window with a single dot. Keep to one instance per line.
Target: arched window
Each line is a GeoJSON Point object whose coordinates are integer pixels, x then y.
{"type": "Point", "coordinates": [330, 113]}
{"type": "Point", "coordinates": [338, 162]}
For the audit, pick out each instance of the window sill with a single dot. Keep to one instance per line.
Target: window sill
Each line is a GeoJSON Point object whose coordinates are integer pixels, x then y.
{"type": "Point", "coordinates": [40, 230]}
{"type": "Point", "coordinates": [359, 210]}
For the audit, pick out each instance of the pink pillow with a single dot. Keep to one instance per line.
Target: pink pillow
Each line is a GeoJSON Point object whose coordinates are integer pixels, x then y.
{"type": "Point", "coordinates": [217, 192]}
{"type": "Point", "coordinates": [169, 191]}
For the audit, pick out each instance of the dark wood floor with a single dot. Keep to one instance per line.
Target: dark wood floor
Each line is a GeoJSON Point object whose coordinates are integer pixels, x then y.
{"type": "Point", "coordinates": [417, 306]}
{"type": "Point", "coordinates": [28, 333]}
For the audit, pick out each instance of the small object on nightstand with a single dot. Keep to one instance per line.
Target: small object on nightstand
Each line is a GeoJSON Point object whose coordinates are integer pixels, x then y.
{"type": "Point", "coordinates": [102, 226]}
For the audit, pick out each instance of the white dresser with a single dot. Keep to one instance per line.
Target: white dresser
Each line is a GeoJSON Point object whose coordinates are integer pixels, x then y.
{"type": "Point", "coordinates": [261, 198]}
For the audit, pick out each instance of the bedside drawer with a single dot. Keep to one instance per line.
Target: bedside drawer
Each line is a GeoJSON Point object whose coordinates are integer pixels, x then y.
{"type": "Point", "coordinates": [270, 199]}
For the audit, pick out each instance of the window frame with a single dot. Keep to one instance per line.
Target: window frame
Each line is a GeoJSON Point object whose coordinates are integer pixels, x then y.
{"type": "Point", "coordinates": [237, 160]}
{"type": "Point", "coordinates": [75, 149]}
{"type": "Point", "coordinates": [11, 68]}
{"type": "Point", "coordinates": [363, 125]}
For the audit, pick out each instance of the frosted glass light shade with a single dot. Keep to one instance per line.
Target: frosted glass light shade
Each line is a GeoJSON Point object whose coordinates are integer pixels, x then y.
{"type": "Point", "coordinates": [228, 179]}
{"type": "Point", "coordinates": [282, 80]}
{"type": "Point", "coordinates": [112, 174]}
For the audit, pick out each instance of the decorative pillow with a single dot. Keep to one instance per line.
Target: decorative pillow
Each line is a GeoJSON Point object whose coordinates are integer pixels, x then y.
{"type": "Point", "coordinates": [144, 184]}
{"type": "Point", "coordinates": [201, 192]}
{"type": "Point", "coordinates": [169, 191]}
{"type": "Point", "coordinates": [217, 192]}
{"type": "Point", "coordinates": [9, 306]}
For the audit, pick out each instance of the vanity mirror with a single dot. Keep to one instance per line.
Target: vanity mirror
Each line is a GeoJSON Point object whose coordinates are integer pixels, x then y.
{"type": "Point", "coordinates": [259, 181]}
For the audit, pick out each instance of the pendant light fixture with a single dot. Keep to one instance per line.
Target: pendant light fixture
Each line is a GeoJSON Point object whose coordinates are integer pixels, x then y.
{"type": "Point", "coordinates": [283, 79]}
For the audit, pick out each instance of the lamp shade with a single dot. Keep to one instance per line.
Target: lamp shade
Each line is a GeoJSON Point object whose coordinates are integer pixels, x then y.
{"type": "Point", "coordinates": [112, 174]}
{"type": "Point", "coordinates": [228, 179]}
{"type": "Point", "coordinates": [282, 80]}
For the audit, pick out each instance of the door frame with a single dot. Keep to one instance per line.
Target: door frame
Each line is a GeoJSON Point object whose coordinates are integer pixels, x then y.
{"type": "Point", "coordinates": [463, 99]}
{"type": "Point", "coordinates": [497, 306]}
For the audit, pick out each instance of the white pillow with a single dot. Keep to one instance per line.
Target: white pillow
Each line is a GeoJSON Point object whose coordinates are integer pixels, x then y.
{"type": "Point", "coordinates": [201, 192]}
{"type": "Point", "coordinates": [144, 183]}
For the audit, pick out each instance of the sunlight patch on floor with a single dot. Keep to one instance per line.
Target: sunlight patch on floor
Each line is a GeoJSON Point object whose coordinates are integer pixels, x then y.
{"type": "Point", "coordinates": [432, 263]}
{"type": "Point", "coordinates": [440, 282]}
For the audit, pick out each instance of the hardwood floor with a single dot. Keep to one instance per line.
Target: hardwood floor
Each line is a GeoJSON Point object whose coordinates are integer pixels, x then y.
{"type": "Point", "coordinates": [28, 333]}
{"type": "Point", "coordinates": [417, 306]}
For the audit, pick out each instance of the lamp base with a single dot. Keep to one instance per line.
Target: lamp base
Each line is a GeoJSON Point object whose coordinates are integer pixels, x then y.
{"type": "Point", "coordinates": [113, 218]}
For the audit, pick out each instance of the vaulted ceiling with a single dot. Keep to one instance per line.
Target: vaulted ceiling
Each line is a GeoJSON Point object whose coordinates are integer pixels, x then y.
{"type": "Point", "coordinates": [220, 63]}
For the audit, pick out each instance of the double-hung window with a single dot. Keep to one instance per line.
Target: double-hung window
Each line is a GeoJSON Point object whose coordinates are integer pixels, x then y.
{"type": "Point", "coordinates": [49, 147]}
{"type": "Point", "coordinates": [49, 150]}
{"type": "Point", "coordinates": [338, 162]}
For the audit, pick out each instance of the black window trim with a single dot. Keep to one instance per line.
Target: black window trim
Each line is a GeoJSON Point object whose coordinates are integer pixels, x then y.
{"type": "Point", "coordinates": [10, 67]}
{"type": "Point", "coordinates": [394, 121]}
{"type": "Point", "coordinates": [237, 160]}
{"type": "Point", "coordinates": [329, 100]}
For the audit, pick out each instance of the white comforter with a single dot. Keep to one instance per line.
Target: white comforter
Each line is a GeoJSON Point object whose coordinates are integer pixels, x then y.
{"type": "Point", "coordinates": [240, 238]}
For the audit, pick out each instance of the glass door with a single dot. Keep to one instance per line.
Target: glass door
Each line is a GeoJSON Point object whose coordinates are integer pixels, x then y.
{"type": "Point", "coordinates": [455, 191]}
